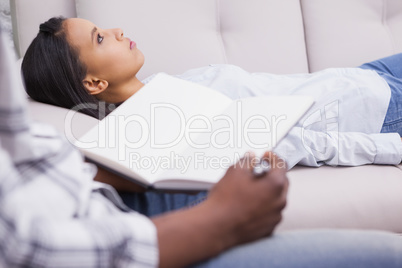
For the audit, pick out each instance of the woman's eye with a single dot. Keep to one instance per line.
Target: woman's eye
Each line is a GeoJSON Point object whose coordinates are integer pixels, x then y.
{"type": "Point", "coordinates": [100, 38]}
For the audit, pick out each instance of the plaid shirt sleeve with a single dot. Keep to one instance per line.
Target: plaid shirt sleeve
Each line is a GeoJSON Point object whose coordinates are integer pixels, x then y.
{"type": "Point", "coordinates": [52, 213]}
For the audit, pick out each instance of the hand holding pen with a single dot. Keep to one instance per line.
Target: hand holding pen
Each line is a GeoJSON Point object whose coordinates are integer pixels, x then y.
{"type": "Point", "coordinates": [261, 168]}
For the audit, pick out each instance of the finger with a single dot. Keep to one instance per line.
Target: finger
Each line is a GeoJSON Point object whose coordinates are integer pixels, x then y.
{"type": "Point", "coordinates": [274, 160]}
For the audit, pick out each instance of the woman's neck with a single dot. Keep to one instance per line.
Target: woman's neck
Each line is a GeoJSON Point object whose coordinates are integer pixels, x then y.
{"type": "Point", "coordinates": [120, 93]}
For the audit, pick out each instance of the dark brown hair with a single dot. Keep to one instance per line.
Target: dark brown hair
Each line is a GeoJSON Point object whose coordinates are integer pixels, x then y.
{"type": "Point", "coordinates": [53, 72]}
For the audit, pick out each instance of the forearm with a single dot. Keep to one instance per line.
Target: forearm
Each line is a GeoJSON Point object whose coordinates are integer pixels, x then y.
{"type": "Point", "coordinates": [192, 235]}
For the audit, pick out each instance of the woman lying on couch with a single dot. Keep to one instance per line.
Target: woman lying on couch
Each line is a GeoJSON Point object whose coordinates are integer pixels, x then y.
{"type": "Point", "coordinates": [356, 118]}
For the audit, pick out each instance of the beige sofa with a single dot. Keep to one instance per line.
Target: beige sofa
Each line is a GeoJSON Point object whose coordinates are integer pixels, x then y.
{"type": "Point", "coordinates": [278, 36]}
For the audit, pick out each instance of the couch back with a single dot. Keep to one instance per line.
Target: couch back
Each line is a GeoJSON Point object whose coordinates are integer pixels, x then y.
{"type": "Point", "coordinates": [286, 36]}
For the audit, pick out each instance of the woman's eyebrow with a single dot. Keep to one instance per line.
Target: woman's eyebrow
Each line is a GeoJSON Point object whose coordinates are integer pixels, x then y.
{"type": "Point", "coordinates": [93, 33]}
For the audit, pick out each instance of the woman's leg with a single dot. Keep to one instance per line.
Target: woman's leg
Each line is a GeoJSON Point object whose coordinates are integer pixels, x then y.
{"type": "Point", "coordinates": [154, 203]}
{"type": "Point", "coordinates": [391, 65]}
{"type": "Point", "coordinates": [390, 68]}
{"type": "Point", "coordinates": [316, 248]}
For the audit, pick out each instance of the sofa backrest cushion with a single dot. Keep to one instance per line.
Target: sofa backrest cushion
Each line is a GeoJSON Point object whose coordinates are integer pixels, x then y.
{"type": "Point", "coordinates": [287, 36]}
{"type": "Point", "coordinates": [345, 33]}
{"type": "Point", "coordinates": [176, 35]}
{"type": "Point", "coordinates": [27, 15]}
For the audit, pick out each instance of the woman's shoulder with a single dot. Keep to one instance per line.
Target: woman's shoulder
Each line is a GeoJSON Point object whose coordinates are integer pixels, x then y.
{"type": "Point", "coordinates": [210, 71]}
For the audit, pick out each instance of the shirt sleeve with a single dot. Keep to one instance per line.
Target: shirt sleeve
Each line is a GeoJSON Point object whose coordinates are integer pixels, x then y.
{"type": "Point", "coordinates": [44, 224]}
{"type": "Point", "coordinates": [313, 148]}
{"type": "Point", "coordinates": [52, 214]}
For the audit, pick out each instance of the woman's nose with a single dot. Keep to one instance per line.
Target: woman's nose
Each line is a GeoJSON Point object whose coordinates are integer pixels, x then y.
{"type": "Point", "coordinates": [118, 33]}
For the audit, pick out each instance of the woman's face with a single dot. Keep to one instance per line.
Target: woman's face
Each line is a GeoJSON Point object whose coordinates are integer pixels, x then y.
{"type": "Point", "coordinates": [106, 53]}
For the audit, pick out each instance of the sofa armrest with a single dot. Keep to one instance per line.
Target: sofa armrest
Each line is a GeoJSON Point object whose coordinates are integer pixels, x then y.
{"type": "Point", "coordinates": [71, 124]}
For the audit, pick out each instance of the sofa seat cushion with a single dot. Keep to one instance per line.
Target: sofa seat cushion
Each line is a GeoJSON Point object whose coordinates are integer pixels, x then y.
{"type": "Point", "coordinates": [365, 197]}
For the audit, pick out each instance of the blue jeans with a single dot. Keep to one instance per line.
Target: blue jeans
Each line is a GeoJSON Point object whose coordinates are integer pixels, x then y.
{"type": "Point", "coordinates": [316, 249]}
{"type": "Point", "coordinates": [312, 248]}
{"type": "Point", "coordinates": [154, 203]}
{"type": "Point", "coordinates": [390, 68]}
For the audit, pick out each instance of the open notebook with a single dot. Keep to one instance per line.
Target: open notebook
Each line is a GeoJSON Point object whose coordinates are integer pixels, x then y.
{"type": "Point", "coordinates": [174, 134]}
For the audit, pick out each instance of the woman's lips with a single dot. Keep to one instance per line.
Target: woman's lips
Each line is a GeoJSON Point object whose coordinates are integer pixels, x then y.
{"type": "Point", "coordinates": [132, 44]}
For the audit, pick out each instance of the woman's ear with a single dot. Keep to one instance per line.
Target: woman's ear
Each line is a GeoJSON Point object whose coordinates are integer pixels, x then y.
{"type": "Point", "coordinates": [94, 86]}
